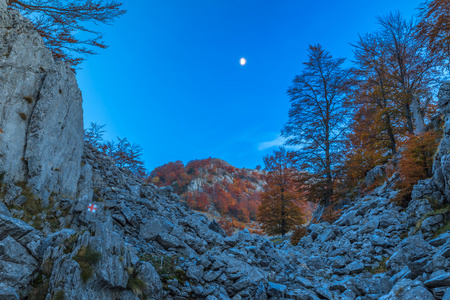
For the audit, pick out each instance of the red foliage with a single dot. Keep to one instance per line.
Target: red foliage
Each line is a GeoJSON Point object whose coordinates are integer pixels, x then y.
{"type": "Point", "coordinates": [299, 232]}
{"type": "Point", "coordinates": [230, 226]}
{"type": "Point", "coordinates": [237, 199]}
{"type": "Point", "coordinates": [168, 173]}
{"type": "Point", "coordinates": [198, 201]}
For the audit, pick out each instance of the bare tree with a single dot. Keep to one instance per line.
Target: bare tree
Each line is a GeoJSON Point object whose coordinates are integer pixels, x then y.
{"type": "Point", "coordinates": [412, 69]}
{"type": "Point", "coordinates": [318, 117]}
{"type": "Point", "coordinates": [64, 24]}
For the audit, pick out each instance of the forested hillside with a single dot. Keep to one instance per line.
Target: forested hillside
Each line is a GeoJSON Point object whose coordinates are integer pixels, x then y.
{"type": "Point", "coordinates": [211, 185]}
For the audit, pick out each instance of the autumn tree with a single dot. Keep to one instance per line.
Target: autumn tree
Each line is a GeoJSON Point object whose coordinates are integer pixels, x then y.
{"type": "Point", "coordinates": [377, 121]}
{"type": "Point", "coordinates": [433, 28]}
{"type": "Point", "coordinates": [412, 70]}
{"type": "Point", "coordinates": [64, 25]}
{"type": "Point", "coordinates": [416, 163]}
{"type": "Point", "coordinates": [318, 117]}
{"type": "Point", "coordinates": [373, 96]}
{"type": "Point", "coordinates": [279, 212]}
{"type": "Point", "coordinates": [394, 77]}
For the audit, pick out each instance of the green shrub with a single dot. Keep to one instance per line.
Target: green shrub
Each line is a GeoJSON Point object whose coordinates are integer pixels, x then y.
{"type": "Point", "coordinates": [136, 285]}
{"type": "Point", "coordinates": [59, 295]}
{"type": "Point", "coordinates": [166, 266]}
{"type": "Point", "coordinates": [86, 259]}
{"type": "Point", "coordinates": [38, 288]}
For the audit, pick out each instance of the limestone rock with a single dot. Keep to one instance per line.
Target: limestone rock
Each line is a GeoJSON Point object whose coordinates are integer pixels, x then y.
{"type": "Point", "coordinates": [17, 265]}
{"type": "Point", "coordinates": [42, 117]}
{"type": "Point", "coordinates": [153, 285]}
{"type": "Point", "coordinates": [439, 281]}
{"type": "Point", "coordinates": [406, 289]}
{"type": "Point", "coordinates": [7, 292]}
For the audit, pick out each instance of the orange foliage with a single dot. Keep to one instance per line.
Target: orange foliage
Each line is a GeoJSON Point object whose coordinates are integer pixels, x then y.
{"type": "Point", "coordinates": [331, 214]}
{"type": "Point", "coordinates": [416, 163]}
{"type": "Point", "coordinates": [198, 201]}
{"type": "Point", "coordinates": [237, 199]}
{"type": "Point", "coordinates": [230, 226]}
{"type": "Point", "coordinates": [433, 27]}
{"type": "Point", "coordinates": [279, 212]}
{"type": "Point", "coordinates": [299, 232]}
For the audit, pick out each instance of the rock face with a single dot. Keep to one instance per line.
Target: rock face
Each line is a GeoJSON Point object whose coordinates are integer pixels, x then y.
{"type": "Point", "coordinates": [143, 243]}
{"type": "Point", "coordinates": [41, 117]}
{"type": "Point", "coordinates": [441, 167]}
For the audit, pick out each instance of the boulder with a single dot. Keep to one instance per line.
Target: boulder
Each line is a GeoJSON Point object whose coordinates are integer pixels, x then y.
{"type": "Point", "coordinates": [150, 228]}
{"type": "Point", "coordinates": [374, 174]}
{"type": "Point", "coordinates": [446, 295]}
{"type": "Point", "coordinates": [214, 226]}
{"type": "Point", "coordinates": [439, 281]}
{"type": "Point", "coordinates": [153, 286]}
{"type": "Point", "coordinates": [440, 240]}
{"type": "Point", "coordinates": [195, 272]}
{"type": "Point", "coordinates": [407, 289]}
{"type": "Point", "coordinates": [410, 249]}
{"type": "Point", "coordinates": [355, 267]}
{"type": "Point", "coordinates": [276, 289]}
{"type": "Point", "coordinates": [17, 265]}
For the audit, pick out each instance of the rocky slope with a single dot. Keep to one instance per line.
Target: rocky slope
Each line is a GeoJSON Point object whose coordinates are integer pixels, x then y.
{"type": "Point", "coordinates": [143, 243]}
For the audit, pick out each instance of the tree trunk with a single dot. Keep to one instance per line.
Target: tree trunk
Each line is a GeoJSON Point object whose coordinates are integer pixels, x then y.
{"type": "Point", "coordinates": [283, 214]}
{"type": "Point", "coordinates": [391, 135]}
{"type": "Point", "coordinates": [418, 116]}
{"type": "Point", "coordinates": [409, 121]}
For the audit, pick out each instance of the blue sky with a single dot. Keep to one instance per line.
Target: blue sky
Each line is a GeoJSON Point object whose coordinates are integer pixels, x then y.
{"type": "Point", "coordinates": [171, 79]}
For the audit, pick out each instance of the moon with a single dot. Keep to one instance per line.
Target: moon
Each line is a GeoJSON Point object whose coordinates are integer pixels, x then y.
{"type": "Point", "coordinates": [242, 61]}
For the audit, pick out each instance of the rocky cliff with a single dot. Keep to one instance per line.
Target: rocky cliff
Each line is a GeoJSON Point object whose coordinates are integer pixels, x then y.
{"type": "Point", "coordinates": [40, 112]}
{"type": "Point", "coordinates": [75, 226]}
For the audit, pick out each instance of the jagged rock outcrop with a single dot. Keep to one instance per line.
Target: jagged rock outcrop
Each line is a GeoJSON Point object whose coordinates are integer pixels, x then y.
{"type": "Point", "coordinates": [441, 167]}
{"type": "Point", "coordinates": [40, 112]}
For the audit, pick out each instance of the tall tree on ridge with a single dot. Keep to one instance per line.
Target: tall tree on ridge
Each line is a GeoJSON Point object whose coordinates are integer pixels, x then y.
{"type": "Point", "coordinates": [411, 69]}
{"type": "Point", "coordinates": [373, 96]}
{"type": "Point", "coordinates": [318, 117]}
